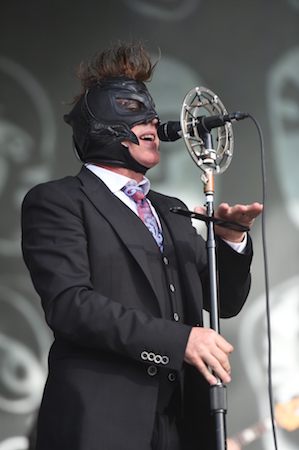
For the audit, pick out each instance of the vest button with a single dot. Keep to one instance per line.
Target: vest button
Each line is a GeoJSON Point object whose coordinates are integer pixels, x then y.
{"type": "Point", "coordinates": [176, 317]}
{"type": "Point", "coordinates": [152, 370]}
{"type": "Point", "coordinates": [172, 287]}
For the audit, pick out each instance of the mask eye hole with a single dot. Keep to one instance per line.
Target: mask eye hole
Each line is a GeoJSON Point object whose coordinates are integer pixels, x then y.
{"type": "Point", "coordinates": [130, 105]}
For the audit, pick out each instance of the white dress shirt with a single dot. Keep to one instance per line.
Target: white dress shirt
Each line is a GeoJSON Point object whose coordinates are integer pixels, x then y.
{"type": "Point", "coordinates": [116, 182]}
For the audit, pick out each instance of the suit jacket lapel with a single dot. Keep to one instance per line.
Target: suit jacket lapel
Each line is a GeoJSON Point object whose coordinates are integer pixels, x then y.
{"type": "Point", "coordinates": [120, 218]}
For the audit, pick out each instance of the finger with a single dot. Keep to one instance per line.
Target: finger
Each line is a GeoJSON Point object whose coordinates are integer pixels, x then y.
{"type": "Point", "coordinates": [254, 210]}
{"type": "Point", "coordinates": [223, 344]}
{"type": "Point", "coordinates": [210, 340]}
{"type": "Point", "coordinates": [215, 356]}
{"type": "Point", "coordinates": [199, 210]}
{"type": "Point", "coordinates": [206, 373]}
{"type": "Point", "coordinates": [250, 211]}
{"type": "Point", "coordinates": [223, 208]}
{"type": "Point", "coordinates": [216, 367]}
{"type": "Point", "coordinates": [218, 360]}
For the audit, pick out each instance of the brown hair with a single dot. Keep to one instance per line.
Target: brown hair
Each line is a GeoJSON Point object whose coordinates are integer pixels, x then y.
{"type": "Point", "coordinates": [120, 59]}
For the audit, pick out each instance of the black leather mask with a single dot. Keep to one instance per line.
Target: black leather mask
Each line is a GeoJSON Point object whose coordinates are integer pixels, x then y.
{"type": "Point", "coordinates": [103, 117]}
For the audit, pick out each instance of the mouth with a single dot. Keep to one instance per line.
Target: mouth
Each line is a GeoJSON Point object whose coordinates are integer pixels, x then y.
{"type": "Point", "coordinates": [147, 137]}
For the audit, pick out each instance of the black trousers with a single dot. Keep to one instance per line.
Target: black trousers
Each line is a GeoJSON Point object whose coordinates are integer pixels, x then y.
{"type": "Point", "coordinates": [165, 435]}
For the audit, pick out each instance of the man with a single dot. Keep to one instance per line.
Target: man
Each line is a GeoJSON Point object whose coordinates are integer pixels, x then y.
{"type": "Point", "coordinates": [128, 367]}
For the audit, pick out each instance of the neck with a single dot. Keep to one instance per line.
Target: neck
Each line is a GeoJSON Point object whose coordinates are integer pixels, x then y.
{"type": "Point", "coordinates": [123, 171]}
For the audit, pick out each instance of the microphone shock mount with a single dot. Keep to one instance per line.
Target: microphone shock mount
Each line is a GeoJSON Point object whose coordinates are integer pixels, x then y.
{"type": "Point", "coordinates": [200, 142]}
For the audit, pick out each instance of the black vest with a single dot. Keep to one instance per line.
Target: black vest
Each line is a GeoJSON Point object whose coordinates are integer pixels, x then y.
{"type": "Point", "coordinates": [165, 266]}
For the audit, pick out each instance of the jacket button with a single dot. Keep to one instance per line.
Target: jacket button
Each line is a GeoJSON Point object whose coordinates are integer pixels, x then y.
{"type": "Point", "coordinates": [165, 360]}
{"type": "Point", "coordinates": [151, 356]}
{"type": "Point", "coordinates": [165, 260]}
{"type": "Point", "coordinates": [144, 355]}
{"type": "Point", "coordinates": [158, 359]}
{"type": "Point", "coordinates": [171, 376]}
{"type": "Point", "coordinates": [152, 370]}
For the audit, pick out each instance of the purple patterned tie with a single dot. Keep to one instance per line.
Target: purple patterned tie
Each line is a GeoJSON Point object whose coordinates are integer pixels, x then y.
{"type": "Point", "coordinates": [145, 212]}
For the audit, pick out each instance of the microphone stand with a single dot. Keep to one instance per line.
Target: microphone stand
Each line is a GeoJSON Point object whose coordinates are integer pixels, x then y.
{"type": "Point", "coordinates": [198, 141]}
{"type": "Point", "coordinates": [218, 398]}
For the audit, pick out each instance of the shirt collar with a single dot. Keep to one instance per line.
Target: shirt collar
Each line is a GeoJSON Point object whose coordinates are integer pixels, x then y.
{"type": "Point", "coordinates": [114, 181]}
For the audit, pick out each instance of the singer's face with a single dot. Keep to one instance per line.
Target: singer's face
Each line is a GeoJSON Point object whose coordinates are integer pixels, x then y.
{"type": "Point", "coordinates": [147, 152]}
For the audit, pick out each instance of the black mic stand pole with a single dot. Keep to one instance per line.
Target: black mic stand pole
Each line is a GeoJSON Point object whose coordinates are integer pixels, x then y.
{"type": "Point", "coordinates": [218, 401]}
{"type": "Point", "coordinates": [198, 141]}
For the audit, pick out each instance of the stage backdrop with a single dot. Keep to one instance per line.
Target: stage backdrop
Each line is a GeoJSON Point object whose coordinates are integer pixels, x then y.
{"type": "Point", "coordinates": [247, 52]}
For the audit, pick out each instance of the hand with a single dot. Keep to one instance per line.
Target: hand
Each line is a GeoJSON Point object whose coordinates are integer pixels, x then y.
{"type": "Point", "coordinates": [206, 347]}
{"type": "Point", "coordinates": [242, 214]}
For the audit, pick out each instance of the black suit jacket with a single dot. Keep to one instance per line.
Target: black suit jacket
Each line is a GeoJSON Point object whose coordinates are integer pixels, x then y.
{"type": "Point", "coordinates": [92, 262]}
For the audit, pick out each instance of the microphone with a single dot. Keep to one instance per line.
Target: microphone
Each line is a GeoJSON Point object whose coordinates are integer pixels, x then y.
{"type": "Point", "coordinates": [171, 131]}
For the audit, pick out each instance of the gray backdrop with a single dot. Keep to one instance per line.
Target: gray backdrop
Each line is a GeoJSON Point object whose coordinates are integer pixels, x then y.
{"type": "Point", "coordinates": [247, 52]}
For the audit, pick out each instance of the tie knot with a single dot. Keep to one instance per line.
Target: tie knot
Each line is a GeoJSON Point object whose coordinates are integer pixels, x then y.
{"type": "Point", "coordinates": [135, 192]}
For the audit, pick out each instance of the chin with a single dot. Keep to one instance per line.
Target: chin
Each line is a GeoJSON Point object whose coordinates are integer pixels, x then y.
{"type": "Point", "coordinates": [153, 163]}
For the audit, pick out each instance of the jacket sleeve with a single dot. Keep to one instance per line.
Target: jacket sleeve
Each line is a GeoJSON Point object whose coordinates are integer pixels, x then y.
{"type": "Point", "coordinates": [234, 278]}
